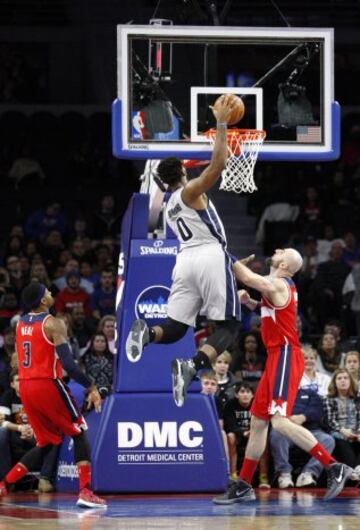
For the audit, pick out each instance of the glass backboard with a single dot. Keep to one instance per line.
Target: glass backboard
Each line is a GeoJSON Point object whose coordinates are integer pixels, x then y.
{"type": "Point", "coordinates": [169, 75]}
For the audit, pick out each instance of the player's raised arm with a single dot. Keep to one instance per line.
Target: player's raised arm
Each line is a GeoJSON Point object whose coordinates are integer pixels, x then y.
{"type": "Point", "coordinates": [262, 284]}
{"type": "Point", "coordinates": [196, 187]}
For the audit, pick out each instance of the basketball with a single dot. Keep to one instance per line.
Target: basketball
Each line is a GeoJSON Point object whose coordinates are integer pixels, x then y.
{"type": "Point", "coordinates": [238, 110]}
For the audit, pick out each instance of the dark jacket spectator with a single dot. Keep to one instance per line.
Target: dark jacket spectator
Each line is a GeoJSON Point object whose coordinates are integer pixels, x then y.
{"type": "Point", "coordinates": [41, 222]}
{"type": "Point", "coordinates": [328, 283]}
{"type": "Point", "coordinates": [98, 363]}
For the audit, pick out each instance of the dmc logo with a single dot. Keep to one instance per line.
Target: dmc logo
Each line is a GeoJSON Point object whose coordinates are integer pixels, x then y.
{"type": "Point", "coordinates": [153, 434]}
{"type": "Point", "coordinates": [158, 243]}
{"type": "Point", "coordinates": [151, 304]}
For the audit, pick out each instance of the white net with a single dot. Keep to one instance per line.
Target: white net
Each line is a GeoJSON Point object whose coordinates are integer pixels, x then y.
{"type": "Point", "coordinates": [243, 146]}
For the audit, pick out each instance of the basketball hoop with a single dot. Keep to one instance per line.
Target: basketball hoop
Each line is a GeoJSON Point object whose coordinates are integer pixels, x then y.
{"type": "Point", "coordinates": [243, 146]}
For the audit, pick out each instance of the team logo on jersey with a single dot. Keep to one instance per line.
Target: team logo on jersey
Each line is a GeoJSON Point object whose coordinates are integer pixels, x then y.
{"type": "Point", "coordinates": [151, 304]}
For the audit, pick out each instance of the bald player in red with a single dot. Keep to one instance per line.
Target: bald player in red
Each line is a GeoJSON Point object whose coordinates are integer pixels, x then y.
{"type": "Point", "coordinates": [43, 352]}
{"type": "Point", "coordinates": [278, 387]}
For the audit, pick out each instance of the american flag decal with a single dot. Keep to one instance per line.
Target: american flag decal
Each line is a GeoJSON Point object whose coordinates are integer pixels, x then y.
{"type": "Point", "coordinates": [308, 134]}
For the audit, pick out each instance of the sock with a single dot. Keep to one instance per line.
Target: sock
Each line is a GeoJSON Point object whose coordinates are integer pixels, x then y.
{"type": "Point", "coordinates": [84, 475]}
{"type": "Point", "coordinates": [248, 469]}
{"type": "Point", "coordinates": [201, 361]}
{"type": "Point", "coordinates": [152, 334]}
{"type": "Point", "coordinates": [320, 453]}
{"type": "Point", "coordinates": [16, 473]}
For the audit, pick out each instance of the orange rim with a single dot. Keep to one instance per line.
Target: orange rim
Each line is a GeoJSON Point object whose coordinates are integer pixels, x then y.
{"type": "Point", "coordinates": [234, 138]}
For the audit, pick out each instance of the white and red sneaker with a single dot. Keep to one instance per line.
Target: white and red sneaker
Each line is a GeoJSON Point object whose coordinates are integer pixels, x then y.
{"type": "Point", "coordinates": [88, 499]}
{"type": "Point", "coordinates": [3, 489]}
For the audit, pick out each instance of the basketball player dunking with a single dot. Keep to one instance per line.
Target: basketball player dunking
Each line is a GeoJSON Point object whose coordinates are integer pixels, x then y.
{"type": "Point", "coordinates": [203, 278]}
{"type": "Point", "coordinates": [278, 387]}
{"type": "Point", "coordinates": [43, 352]}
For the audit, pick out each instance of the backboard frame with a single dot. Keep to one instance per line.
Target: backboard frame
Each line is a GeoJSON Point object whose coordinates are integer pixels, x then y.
{"type": "Point", "coordinates": [124, 147]}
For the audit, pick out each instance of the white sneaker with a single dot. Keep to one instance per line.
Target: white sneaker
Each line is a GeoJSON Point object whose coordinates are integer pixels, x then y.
{"type": "Point", "coordinates": [355, 475]}
{"type": "Point", "coordinates": [285, 481]}
{"type": "Point", "coordinates": [305, 480]}
{"type": "Point", "coordinates": [136, 341]}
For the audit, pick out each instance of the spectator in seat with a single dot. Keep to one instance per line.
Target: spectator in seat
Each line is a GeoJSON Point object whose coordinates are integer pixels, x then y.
{"type": "Point", "coordinates": [312, 378]}
{"type": "Point", "coordinates": [106, 219]}
{"type": "Point", "coordinates": [14, 246]}
{"type": "Point", "coordinates": [16, 277]}
{"type": "Point", "coordinates": [311, 213]}
{"type": "Point", "coordinates": [225, 379]}
{"type": "Point", "coordinates": [103, 258]}
{"type": "Point", "coordinates": [209, 387]}
{"type": "Point", "coordinates": [79, 228]}
{"type": "Point", "coordinates": [327, 285]}
{"type": "Point", "coordinates": [329, 354]}
{"type": "Point", "coordinates": [351, 293]}
{"type": "Point", "coordinates": [107, 326]}
{"type": "Point", "coordinates": [52, 247]}
{"type": "Point", "coordinates": [17, 437]}
{"type": "Point", "coordinates": [352, 364]}
{"type": "Point", "coordinates": [25, 267]}
{"type": "Point", "coordinates": [237, 418]}
{"type": "Point", "coordinates": [72, 295]}
{"type": "Point", "coordinates": [39, 273]}
{"type": "Point", "coordinates": [351, 251]}
{"type": "Point", "coordinates": [249, 365]}
{"type": "Point", "coordinates": [104, 296]}
{"type": "Point", "coordinates": [87, 272]}
{"type": "Point", "coordinates": [82, 326]}
{"type": "Point", "coordinates": [98, 364]}
{"type": "Point", "coordinates": [8, 308]}
{"type": "Point", "coordinates": [70, 266]}
{"type": "Point", "coordinates": [6, 351]}
{"type": "Point", "coordinates": [342, 413]}
{"type": "Point", "coordinates": [77, 249]}
{"type": "Point", "coordinates": [42, 221]}
{"type": "Point", "coordinates": [325, 241]}
{"type": "Point", "coordinates": [32, 247]}
{"type": "Point", "coordinates": [334, 327]}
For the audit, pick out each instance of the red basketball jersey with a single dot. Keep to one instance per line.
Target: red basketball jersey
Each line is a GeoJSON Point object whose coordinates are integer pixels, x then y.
{"type": "Point", "coordinates": [278, 324]}
{"type": "Point", "coordinates": [36, 354]}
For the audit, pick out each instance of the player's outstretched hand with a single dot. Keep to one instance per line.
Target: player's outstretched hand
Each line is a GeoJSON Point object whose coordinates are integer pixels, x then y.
{"type": "Point", "coordinates": [247, 260]}
{"type": "Point", "coordinates": [244, 296]}
{"type": "Point", "coordinates": [93, 398]}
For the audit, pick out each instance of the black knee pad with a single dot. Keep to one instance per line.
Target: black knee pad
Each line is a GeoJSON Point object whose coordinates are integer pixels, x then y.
{"type": "Point", "coordinates": [33, 459]}
{"type": "Point", "coordinates": [225, 334]}
{"type": "Point", "coordinates": [81, 448]}
{"type": "Point", "coordinates": [173, 331]}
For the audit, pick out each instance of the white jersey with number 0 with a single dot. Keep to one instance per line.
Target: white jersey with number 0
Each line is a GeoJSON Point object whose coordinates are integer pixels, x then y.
{"type": "Point", "coordinates": [203, 281]}
{"type": "Point", "coordinates": [194, 227]}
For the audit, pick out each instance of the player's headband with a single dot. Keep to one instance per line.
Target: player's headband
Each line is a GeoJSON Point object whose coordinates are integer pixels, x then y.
{"type": "Point", "coordinates": [32, 295]}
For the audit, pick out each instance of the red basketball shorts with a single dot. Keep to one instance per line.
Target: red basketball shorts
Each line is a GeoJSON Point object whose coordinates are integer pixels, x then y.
{"type": "Point", "coordinates": [52, 411]}
{"type": "Point", "coordinates": [279, 383]}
